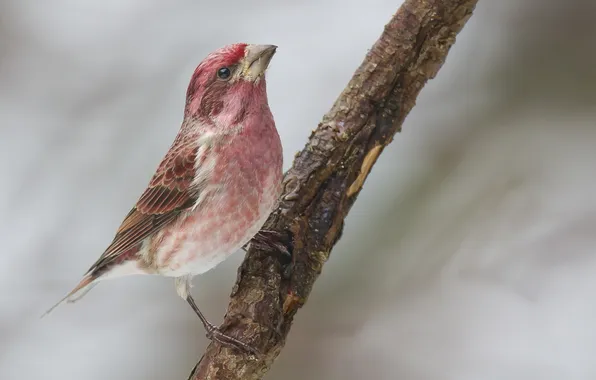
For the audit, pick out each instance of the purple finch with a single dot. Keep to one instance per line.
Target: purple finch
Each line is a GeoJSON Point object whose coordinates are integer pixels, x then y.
{"type": "Point", "coordinates": [214, 188]}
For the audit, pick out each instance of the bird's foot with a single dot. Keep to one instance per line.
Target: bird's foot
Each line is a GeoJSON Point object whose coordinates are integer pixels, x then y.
{"type": "Point", "coordinates": [213, 333]}
{"type": "Point", "coordinates": [273, 240]}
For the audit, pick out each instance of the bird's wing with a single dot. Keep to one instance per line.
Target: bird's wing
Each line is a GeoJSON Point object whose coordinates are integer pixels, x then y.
{"type": "Point", "coordinates": [171, 191]}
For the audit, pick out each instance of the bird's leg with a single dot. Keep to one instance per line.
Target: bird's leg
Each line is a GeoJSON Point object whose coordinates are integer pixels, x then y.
{"type": "Point", "coordinates": [213, 332]}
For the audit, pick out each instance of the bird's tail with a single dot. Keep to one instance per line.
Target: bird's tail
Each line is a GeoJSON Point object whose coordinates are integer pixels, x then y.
{"type": "Point", "coordinates": [86, 284]}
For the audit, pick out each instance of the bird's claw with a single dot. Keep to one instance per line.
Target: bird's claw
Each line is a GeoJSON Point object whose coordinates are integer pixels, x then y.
{"type": "Point", "coordinates": [215, 334]}
{"type": "Point", "coordinates": [274, 240]}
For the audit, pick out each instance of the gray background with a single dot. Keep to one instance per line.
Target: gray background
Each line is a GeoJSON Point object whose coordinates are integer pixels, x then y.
{"type": "Point", "coordinates": [469, 254]}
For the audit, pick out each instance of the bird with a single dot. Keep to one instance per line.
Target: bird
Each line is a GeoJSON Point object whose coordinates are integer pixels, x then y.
{"type": "Point", "coordinates": [214, 188]}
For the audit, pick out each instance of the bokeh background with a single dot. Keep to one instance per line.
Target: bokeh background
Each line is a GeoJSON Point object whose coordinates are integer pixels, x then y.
{"type": "Point", "coordinates": [469, 255]}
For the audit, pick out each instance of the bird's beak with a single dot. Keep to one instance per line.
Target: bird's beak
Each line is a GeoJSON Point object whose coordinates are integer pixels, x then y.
{"type": "Point", "coordinates": [256, 60]}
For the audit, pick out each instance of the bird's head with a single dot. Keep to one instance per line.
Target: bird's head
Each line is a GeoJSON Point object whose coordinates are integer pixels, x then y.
{"type": "Point", "coordinates": [229, 82]}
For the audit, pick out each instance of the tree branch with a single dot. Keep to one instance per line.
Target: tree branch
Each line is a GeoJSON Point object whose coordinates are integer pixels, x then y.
{"type": "Point", "coordinates": [325, 180]}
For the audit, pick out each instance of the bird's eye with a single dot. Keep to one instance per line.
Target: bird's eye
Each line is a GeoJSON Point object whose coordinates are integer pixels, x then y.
{"type": "Point", "coordinates": [224, 73]}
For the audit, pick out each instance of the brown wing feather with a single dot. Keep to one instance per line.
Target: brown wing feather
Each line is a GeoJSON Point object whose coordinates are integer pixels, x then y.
{"type": "Point", "coordinates": [170, 192]}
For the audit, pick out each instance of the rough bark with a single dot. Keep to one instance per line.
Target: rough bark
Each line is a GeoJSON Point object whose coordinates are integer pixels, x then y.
{"type": "Point", "coordinates": [325, 180]}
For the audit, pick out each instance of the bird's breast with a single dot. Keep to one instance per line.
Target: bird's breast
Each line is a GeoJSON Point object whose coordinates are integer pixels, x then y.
{"type": "Point", "coordinates": [237, 199]}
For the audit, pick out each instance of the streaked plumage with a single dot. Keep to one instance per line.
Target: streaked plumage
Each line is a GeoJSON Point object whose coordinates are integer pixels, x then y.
{"type": "Point", "coordinates": [214, 188]}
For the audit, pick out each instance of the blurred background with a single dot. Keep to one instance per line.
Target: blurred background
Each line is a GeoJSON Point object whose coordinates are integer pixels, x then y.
{"type": "Point", "coordinates": [469, 255]}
